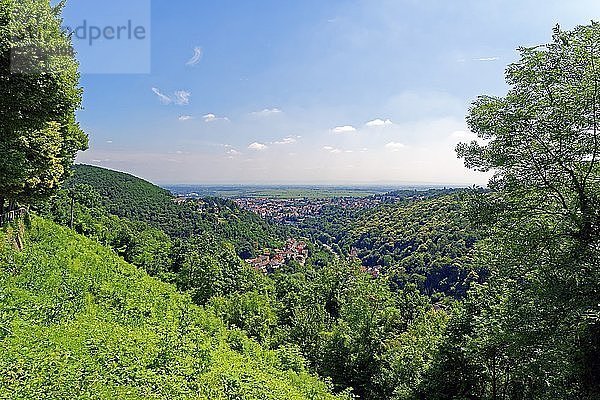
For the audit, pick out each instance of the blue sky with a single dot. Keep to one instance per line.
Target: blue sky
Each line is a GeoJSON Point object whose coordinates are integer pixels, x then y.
{"type": "Point", "coordinates": [337, 91]}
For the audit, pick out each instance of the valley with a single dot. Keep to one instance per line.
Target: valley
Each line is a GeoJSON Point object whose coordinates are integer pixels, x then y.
{"type": "Point", "coordinates": [114, 287]}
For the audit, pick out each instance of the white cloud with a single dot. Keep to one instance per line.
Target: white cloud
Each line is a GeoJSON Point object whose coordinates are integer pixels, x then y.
{"type": "Point", "coordinates": [163, 97]}
{"type": "Point", "coordinates": [288, 140]}
{"type": "Point", "coordinates": [394, 146]}
{"type": "Point", "coordinates": [196, 57]}
{"type": "Point", "coordinates": [343, 129]}
{"type": "Point", "coordinates": [486, 59]}
{"type": "Point", "coordinates": [332, 150]}
{"type": "Point", "coordinates": [212, 118]}
{"type": "Point", "coordinates": [109, 141]}
{"type": "Point", "coordinates": [185, 117]}
{"type": "Point", "coordinates": [233, 152]}
{"type": "Point", "coordinates": [267, 112]}
{"type": "Point", "coordinates": [378, 123]}
{"type": "Point", "coordinates": [258, 146]}
{"type": "Point", "coordinates": [182, 97]}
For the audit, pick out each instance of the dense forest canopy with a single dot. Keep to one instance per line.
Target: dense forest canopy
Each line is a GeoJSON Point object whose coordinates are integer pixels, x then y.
{"type": "Point", "coordinates": [130, 197]}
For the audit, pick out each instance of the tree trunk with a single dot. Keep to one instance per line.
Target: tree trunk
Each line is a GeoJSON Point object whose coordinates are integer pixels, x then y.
{"type": "Point", "coordinates": [72, 205]}
{"type": "Point", "coordinates": [586, 228]}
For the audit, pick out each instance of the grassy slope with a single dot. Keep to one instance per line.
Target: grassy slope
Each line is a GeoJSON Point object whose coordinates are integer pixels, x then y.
{"type": "Point", "coordinates": [78, 322]}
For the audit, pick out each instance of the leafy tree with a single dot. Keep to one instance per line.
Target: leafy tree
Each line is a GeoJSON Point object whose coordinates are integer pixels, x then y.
{"type": "Point", "coordinates": [206, 268]}
{"type": "Point", "coordinates": [39, 94]}
{"type": "Point", "coordinates": [531, 331]}
{"type": "Point", "coordinates": [542, 140]}
{"type": "Point", "coordinates": [251, 311]}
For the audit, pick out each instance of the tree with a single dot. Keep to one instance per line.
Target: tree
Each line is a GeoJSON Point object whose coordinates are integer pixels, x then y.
{"type": "Point", "coordinates": [542, 140]}
{"type": "Point", "coordinates": [535, 324]}
{"type": "Point", "coordinates": [39, 95]}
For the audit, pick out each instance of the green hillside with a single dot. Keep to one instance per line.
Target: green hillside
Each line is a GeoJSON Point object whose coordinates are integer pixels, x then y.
{"type": "Point", "coordinates": [138, 200]}
{"type": "Point", "coordinates": [429, 242]}
{"type": "Point", "coordinates": [125, 195]}
{"type": "Point", "coordinates": [78, 322]}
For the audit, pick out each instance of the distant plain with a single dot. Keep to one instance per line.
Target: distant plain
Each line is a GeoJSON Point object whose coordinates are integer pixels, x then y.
{"type": "Point", "coordinates": [287, 192]}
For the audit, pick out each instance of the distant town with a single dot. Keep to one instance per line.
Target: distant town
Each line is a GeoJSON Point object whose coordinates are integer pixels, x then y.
{"type": "Point", "coordinates": [284, 208]}
{"type": "Point", "coordinates": [271, 260]}
{"type": "Point", "coordinates": [294, 211]}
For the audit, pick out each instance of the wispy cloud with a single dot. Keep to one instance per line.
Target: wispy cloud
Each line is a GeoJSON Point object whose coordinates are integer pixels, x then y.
{"type": "Point", "coordinates": [163, 97]}
{"type": "Point", "coordinates": [233, 153]}
{"type": "Point", "coordinates": [196, 57]}
{"type": "Point", "coordinates": [343, 129]}
{"type": "Point", "coordinates": [258, 146]}
{"type": "Point", "coordinates": [185, 117]}
{"type": "Point", "coordinates": [379, 123]}
{"type": "Point", "coordinates": [180, 97]}
{"type": "Point", "coordinates": [267, 112]}
{"type": "Point", "coordinates": [287, 140]}
{"type": "Point", "coordinates": [213, 118]}
{"type": "Point", "coordinates": [486, 59]}
{"type": "Point", "coordinates": [394, 146]}
{"type": "Point", "coordinates": [332, 150]}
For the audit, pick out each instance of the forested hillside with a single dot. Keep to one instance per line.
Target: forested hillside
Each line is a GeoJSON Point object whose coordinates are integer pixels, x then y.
{"type": "Point", "coordinates": [420, 238]}
{"type": "Point", "coordinates": [428, 242]}
{"type": "Point", "coordinates": [135, 199]}
{"type": "Point", "coordinates": [347, 324]}
{"type": "Point", "coordinates": [127, 196]}
{"type": "Point", "coordinates": [76, 321]}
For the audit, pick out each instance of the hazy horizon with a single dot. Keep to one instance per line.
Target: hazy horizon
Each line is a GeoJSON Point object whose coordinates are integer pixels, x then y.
{"type": "Point", "coordinates": [357, 184]}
